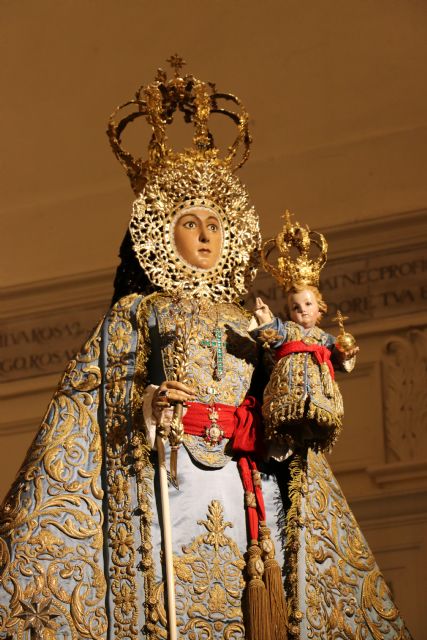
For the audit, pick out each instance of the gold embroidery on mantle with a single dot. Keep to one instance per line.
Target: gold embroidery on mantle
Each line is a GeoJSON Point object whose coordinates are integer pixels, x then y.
{"type": "Point", "coordinates": [345, 595]}
{"type": "Point", "coordinates": [51, 519]}
{"type": "Point", "coordinates": [209, 583]}
{"type": "Point", "coordinates": [118, 451]}
{"type": "Point", "coordinates": [296, 489]}
{"type": "Point", "coordinates": [143, 466]}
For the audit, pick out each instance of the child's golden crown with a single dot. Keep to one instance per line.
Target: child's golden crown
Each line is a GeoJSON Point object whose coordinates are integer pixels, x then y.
{"type": "Point", "coordinates": [302, 255]}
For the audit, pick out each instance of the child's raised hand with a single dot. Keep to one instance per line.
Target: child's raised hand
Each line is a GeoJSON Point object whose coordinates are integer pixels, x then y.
{"type": "Point", "coordinates": [262, 312]}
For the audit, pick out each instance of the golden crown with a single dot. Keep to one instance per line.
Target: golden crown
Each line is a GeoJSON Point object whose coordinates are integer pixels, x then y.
{"type": "Point", "coordinates": [158, 102]}
{"type": "Point", "coordinates": [298, 267]}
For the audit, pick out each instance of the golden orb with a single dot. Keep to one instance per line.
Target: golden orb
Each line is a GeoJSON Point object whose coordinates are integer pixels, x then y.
{"type": "Point", "coordinates": [345, 342]}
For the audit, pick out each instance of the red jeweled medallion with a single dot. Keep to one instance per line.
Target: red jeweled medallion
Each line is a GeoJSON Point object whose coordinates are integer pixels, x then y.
{"type": "Point", "coordinates": [213, 432]}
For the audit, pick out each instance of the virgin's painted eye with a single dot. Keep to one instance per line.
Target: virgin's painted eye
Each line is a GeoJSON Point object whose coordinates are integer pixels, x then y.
{"type": "Point", "coordinates": [213, 227]}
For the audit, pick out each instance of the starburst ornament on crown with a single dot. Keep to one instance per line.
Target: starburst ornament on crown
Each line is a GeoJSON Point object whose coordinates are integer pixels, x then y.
{"type": "Point", "coordinates": [169, 183]}
{"type": "Point", "coordinates": [296, 264]}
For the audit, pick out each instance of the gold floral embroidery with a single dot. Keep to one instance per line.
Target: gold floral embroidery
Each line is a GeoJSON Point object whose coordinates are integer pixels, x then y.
{"type": "Point", "coordinates": [344, 595]}
{"type": "Point", "coordinates": [209, 579]}
{"type": "Point", "coordinates": [51, 519]}
{"type": "Point", "coordinates": [209, 584]}
{"type": "Point", "coordinates": [143, 467]}
{"type": "Point", "coordinates": [240, 349]}
{"type": "Point", "coordinates": [121, 533]}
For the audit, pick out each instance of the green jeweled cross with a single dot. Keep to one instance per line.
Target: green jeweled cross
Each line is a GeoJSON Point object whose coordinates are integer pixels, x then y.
{"type": "Point", "coordinates": [218, 345]}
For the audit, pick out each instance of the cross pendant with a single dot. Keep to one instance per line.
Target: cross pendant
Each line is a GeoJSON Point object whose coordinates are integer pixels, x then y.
{"type": "Point", "coordinates": [217, 344]}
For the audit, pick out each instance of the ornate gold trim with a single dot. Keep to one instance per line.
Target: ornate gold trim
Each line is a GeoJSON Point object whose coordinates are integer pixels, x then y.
{"type": "Point", "coordinates": [121, 534]}
{"type": "Point", "coordinates": [144, 470]}
{"type": "Point", "coordinates": [55, 582]}
{"type": "Point", "coordinates": [294, 522]}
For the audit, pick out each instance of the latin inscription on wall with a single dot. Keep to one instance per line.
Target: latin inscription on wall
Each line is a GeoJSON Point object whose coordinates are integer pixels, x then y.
{"type": "Point", "coordinates": [43, 345]}
{"type": "Point", "coordinates": [373, 287]}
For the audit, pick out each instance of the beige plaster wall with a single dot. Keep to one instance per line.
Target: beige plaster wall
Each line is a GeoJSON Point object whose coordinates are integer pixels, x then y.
{"type": "Point", "coordinates": [335, 90]}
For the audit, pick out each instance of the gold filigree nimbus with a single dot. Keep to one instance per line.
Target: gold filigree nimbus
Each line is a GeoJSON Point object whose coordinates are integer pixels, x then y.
{"type": "Point", "coordinates": [302, 268]}
{"type": "Point", "coordinates": [158, 102]}
{"type": "Point", "coordinates": [186, 181]}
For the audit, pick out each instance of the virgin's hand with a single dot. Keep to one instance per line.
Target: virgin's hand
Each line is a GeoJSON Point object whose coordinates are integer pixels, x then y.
{"type": "Point", "coordinates": [169, 392]}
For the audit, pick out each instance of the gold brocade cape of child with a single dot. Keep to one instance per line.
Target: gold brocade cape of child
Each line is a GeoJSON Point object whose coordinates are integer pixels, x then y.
{"type": "Point", "coordinates": [80, 546]}
{"type": "Point", "coordinates": [302, 403]}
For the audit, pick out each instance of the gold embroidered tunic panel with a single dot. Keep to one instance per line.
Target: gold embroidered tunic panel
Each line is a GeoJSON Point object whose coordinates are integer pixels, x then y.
{"type": "Point", "coordinates": [302, 403]}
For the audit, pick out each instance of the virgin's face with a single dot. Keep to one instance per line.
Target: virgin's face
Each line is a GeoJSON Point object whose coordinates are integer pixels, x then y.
{"type": "Point", "coordinates": [198, 237]}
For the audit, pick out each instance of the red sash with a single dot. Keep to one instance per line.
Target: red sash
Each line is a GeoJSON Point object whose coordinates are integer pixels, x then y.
{"type": "Point", "coordinates": [320, 352]}
{"type": "Point", "coordinates": [243, 426]}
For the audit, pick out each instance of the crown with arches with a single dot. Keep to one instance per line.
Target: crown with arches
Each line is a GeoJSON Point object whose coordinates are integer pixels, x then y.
{"type": "Point", "coordinates": [158, 102]}
{"type": "Point", "coordinates": [301, 256]}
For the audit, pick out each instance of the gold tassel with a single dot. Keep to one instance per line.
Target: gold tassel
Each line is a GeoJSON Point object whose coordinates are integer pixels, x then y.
{"type": "Point", "coordinates": [325, 375]}
{"type": "Point", "coordinates": [257, 619]}
{"type": "Point", "coordinates": [274, 586]}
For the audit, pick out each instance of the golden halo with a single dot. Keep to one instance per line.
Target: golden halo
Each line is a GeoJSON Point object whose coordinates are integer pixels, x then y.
{"type": "Point", "coordinates": [185, 181]}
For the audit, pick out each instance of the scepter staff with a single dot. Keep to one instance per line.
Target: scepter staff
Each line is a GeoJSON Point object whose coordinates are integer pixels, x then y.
{"type": "Point", "coordinates": [167, 538]}
{"type": "Point", "coordinates": [185, 334]}
{"type": "Point", "coordinates": [175, 433]}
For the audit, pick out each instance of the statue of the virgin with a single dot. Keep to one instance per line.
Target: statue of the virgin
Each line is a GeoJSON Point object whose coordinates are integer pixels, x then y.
{"type": "Point", "coordinates": [147, 505]}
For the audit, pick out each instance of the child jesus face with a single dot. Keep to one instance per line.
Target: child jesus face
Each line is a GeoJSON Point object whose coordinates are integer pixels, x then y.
{"type": "Point", "coordinates": [303, 308]}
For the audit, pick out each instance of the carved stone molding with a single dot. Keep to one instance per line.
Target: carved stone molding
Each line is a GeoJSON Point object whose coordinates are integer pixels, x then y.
{"type": "Point", "coordinates": [392, 508]}
{"type": "Point", "coordinates": [42, 325]}
{"type": "Point", "coordinates": [399, 474]}
{"type": "Point", "coordinates": [404, 368]}
{"type": "Point", "coordinates": [29, 425]}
